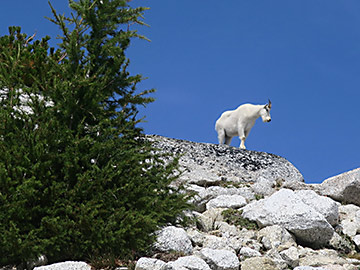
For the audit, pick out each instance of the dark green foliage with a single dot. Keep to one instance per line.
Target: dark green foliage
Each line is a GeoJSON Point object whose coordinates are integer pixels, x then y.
{"type": "Point", "coordinates": [234, 217]}
{"type": "Point", "coordinates": [77, 178]}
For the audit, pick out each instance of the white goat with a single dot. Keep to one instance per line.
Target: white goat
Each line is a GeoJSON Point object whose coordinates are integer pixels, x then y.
{"type": "Point", "coordinates": [240, 121]}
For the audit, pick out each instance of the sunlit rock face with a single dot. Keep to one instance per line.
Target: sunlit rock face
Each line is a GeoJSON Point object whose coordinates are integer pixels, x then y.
{"type": "Point", "coordinates": [344, 187]}
{"type": "Point", "coordinates": [299, 214]}
{"type": "Point", "coordinates": [206, 164]}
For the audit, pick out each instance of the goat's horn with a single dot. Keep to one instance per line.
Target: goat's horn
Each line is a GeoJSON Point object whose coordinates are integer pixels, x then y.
{"type": "Point", "coordinates": [269, 103]}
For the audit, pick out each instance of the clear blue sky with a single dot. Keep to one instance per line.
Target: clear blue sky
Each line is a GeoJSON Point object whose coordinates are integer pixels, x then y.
{"type": "Point", "coordinates": [206, 57]}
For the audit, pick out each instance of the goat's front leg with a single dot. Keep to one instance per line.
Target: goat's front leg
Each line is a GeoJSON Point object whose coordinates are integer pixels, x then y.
{"type": "Point", "coordinates": [242, 143]}
{"type": "Point", "coordinates": [221, 136]}
{"type": "Point", "coordinates": [242, 137]}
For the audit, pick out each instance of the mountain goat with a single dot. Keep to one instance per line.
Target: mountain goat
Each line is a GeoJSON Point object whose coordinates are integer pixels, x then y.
{"type": "Point", "coordinates": [240, 121]}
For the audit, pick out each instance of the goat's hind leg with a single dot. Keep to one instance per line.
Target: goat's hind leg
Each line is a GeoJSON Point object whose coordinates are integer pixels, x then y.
{"type": "Point", "coordinates": [227, 140]}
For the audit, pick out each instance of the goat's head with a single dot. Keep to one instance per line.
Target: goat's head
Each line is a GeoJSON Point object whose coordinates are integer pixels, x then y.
{"type": "Point", "coordinates": [265, 112]}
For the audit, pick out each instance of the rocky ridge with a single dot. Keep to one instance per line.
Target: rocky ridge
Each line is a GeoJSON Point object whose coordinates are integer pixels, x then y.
{"type": "Point", "coordinates": [254, 211]}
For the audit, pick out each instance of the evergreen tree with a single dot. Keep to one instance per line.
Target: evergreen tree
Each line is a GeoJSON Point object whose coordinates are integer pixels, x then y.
{"type": "Point", "coordinates": [77, 177]}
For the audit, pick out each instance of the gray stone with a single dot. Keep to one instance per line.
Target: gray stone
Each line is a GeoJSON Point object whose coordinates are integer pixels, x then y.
{"type": "Point", "coordinates": [210, 219]}
{"type": "Point", "coordinates": [227, 201]}
{"type": "Point", "coordinates": [350, 219]}
{"type": "Point", "coordinates": [65, 266]}
{"type": "Point", "coordinates": [259, 263]}
{"type": "Point", "coordinates": [356, 240]}
{"type": "Point", "coordinates": [210, 164]}
{"type": "Point", "coordinates": [149, 264]}
{"type": "Point", "coordinates": [288, 210]}
{"type": "Point", "coordinates": [342, 244]}
{"type": "Point", "coordinates": [215, 242]}
{"type": "Point", "coordinates": [204, 195]}
{"type": "Point", "coordinates": [299, 186]}
{"type": "Point", "coordinates": [247, 252]}
{"type": "Point", "coordinates": [220, 259]}
{"type": "Point", "coordinates": [291, 256]}
{"type": "Point", "coordinates": [228, 230]}
{"type": "Point", "coordinates": [173, 239]}
{"type": "Point", "coordinates": [275, 237]}
{"type": "Point", "coordinates": [189, 263]}
{"type": "Point", "coordinates": [194, 188]}
{"type": "Point", "coordinates": [264, 186]}
{"type": "Point", "coordinates": [321, 257]}
{"type": "Point", "coordinates": [275, 256]}
{"type": "Point", "coordinates": [196, 237]}
{"type": "Point", "coordinates": [344, 187]}
{"type": "Point", "coordinates": [324, 205]}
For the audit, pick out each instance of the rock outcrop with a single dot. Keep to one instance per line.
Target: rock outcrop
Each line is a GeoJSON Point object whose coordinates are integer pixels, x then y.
{"type": "Point", "coordinates": [206, 164]}
{"type": "Point", "coordinates": [344, 187]}
{"type": "Point", "coordinates": [300, 226]}
{"type": "Point", "coordinates": [253, 211]}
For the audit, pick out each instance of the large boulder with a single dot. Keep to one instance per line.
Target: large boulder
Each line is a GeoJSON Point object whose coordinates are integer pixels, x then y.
{"type": "Point", "coordinates": [188, 263]}
{"type": "Point", "coordinates": [288, 210]}
{"type": "Point", "coordinates": [149, 264]}
{"type": "Point", "coordinates": [173, 239]}
{"type": "Point", "coordinates": [210, 164]}
{"type": "Point", "coordinates": [65, 266]}
{"type": "Point", "coordinates": [220, 259]}
{"type": "Point", "coordinates": [324, 205]}
{"type": "Point", "coordinates": [344, 187]}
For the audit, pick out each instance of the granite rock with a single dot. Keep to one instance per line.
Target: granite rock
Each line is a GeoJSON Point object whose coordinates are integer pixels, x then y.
{"type": "Point", "coordinates": [323, 205]}
{"type": "Point", "coordinates": [188, 263]}
{"type": "Point", "coordinates": [208, 164]}
{"type": "Point", "coordinates": [149, 264]}
{"type": "Point", "coordinates": [286, 209]}
{"type": "Point", "coordinates": [173, 239]}
{"type": "Point", "coordinates": [291, 256]}
{"type": "Point", "coordinates": [344, 187]}
{"type": "Point", "coordinates": [227, 201]}
{"type": "Point", "coordinates": [259, 263]}
{"type": "Point", "coordinates": [276, 237]}
{"type": "Point", "coordinates": [350, 219]}
{"type": "Point", "coordinates": [65, 266]}
{"type": "Point", "coordinates": [220, 259]}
